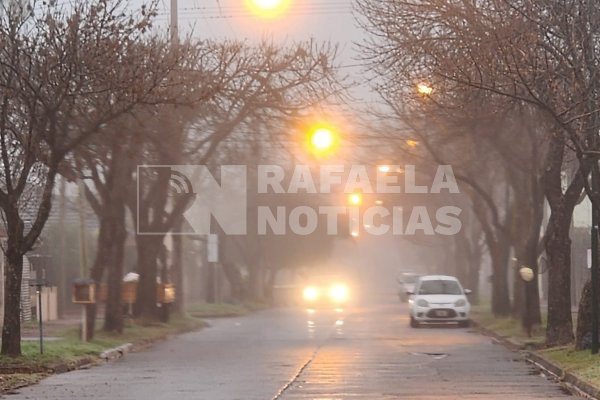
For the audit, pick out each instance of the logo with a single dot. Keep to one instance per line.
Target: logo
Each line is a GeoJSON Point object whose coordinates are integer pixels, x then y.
{"type": "Point", "coordinates": [301, 200]}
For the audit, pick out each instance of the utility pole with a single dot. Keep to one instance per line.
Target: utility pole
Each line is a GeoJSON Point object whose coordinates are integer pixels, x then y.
{"type": "Point", "coordinates": [174, 25]}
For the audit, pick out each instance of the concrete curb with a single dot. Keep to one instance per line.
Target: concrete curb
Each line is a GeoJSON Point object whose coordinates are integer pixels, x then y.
{"type": "Point", "coordinates": [570, 381]}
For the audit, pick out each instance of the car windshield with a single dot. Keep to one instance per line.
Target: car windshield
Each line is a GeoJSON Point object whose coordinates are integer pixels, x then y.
{"type": "Point", "coordinates": [409, 278]}
{"type": "Point", "coordinates": [439, 287]}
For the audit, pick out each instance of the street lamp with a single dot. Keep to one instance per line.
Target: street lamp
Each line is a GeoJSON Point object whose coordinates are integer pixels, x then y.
{"type": "Point", "coordinates": [424, 89]}
{"type": "Point", "coordinates": [322, 139]}
{"type": "Point", "coordinates": [527, 275]}
{"type": "Point", "coordinates": [412, 143]}
{"type": "Point", "coordinates": [355, 199]}
{"type": "Point", "coordinates": [267, 8]}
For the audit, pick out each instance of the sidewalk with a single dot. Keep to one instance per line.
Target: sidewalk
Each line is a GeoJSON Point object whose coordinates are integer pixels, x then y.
{"type": "Point", "coordinates": [578, 371]}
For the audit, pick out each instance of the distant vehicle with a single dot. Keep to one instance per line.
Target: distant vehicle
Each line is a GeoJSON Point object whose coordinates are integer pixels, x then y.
{"type": "Point", "coordinates": [326, 291]}
{"type": "Point", "coordinates": [439, 299]}
{"type": "Point", "coordinates": [406, 284]}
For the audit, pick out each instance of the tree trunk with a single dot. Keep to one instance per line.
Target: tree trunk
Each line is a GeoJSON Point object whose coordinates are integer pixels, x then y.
{"type": "Point", "coordinates": [500, 289]}
{"type": "Point", "coordinates": [96, 274]}
{"type": "Point", "coordinates": [115, 224]}
{"type": "Point", "coordinates": [177, 269]}
{"type": "Point", "coordinates": [583, 336]}
{"type": "Point", "coordinates": [559, 330]}
{"type": "Point", "coordinates": [148, 249]}
{"type": "Point", "coordinates": [474, 273]}
{"type": "Point", "coordinates": [13, 275]}
{"type": "Point", "coordinates": [234, 277]}
{"type": "Point", "coordinates": [499, 247]}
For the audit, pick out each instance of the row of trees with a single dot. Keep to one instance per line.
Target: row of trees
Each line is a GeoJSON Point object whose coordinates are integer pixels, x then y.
{"type": "Point", "coordinates": [91, 90]}
{"type": "Point", "coordinates": [515, 107]}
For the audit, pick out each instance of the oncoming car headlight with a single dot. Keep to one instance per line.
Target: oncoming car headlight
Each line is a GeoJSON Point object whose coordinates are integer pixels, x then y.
{"type": "Point", "coordinates": [310, 293]}
{"type": "Point", "coordinates": [422, 303]}
{"type": "Point", "coordinates": [460, 303]}
{"type": "Point", "coordinates": [339, 293]}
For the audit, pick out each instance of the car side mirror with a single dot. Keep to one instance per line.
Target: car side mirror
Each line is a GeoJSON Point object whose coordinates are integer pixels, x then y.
{"type": "Point", "coordinates": [468, 291]}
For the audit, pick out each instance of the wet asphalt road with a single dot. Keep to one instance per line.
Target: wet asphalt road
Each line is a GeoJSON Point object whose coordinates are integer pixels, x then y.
{"type": "Point", "coordinates": [363, 353]}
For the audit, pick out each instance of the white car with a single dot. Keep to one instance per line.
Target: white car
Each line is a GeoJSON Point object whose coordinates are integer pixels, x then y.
{"type": "Point", "coordinates": [439, 299]}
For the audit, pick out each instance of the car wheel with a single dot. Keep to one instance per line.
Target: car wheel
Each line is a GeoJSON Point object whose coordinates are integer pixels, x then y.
{"type": "Point", "coordinates": [464, 324]}
{"type": "Point", "coordinates": [413, 323]}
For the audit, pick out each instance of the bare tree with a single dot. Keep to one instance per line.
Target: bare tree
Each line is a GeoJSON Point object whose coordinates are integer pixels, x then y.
{"type": "Point", "coordinates": [64, 73]}
{"type": "Point", "coordinates": [265, 82]}
{"type": "Point", "coordinates": [527, 51]}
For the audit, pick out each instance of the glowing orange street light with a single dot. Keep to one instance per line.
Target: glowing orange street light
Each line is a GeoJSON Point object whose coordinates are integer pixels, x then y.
{"type": "Point", "coordinates": [355, 199]}
{"type": "Point", "coordinates": [424, 89]}
{"type": "Point", "coordinates": [412, 143]}
{"type": "Point", "coordinates": [384, 168]}
{"type": "Point", "coordinates": [322, 139]}
{"type": "Point", "coordinates": [267, 8]}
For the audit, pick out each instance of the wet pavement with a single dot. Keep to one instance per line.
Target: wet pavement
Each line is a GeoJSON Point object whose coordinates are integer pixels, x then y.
{"type": "Point", "coordinates": [361, 353]}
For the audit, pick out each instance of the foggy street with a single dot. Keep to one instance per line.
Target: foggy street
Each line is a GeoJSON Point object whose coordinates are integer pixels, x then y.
{"type": "Point", "coordinates": [367, 353]}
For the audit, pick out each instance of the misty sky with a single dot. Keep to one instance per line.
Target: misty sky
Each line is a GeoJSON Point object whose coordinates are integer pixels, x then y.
{"type": "Point", "coordinates": [322, 20]}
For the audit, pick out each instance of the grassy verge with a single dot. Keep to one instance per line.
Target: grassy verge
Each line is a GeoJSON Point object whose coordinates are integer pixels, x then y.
{"type": "Point", "coordinates": [69, 351]}
{"type": "Point", "coordinates": [221, 310]}
{"type": "Point", "coordinates": [580, 363]}
{"type": "Point", "coordinates": [509, 327]}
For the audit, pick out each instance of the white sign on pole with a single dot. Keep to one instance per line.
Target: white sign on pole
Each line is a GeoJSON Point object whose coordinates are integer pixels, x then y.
{"type": "Point", "coordinates": [213, 248]}
{"type": "Point", "coordinates": [589, 258]}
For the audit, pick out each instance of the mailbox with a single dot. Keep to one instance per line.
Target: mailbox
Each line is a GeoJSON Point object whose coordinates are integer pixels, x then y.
{"type": "Point", "coordinates": [129, 292]}
{"type": "Point", "coordinates": [165, 293]}
{"type": "Point", "coordinates": [84, 291]}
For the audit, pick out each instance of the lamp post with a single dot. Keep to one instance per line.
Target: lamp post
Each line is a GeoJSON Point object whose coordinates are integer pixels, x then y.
{"type": "Point", "coordinates": [174, 23]}
{"type": "Point", "coordinates": [527, 275]}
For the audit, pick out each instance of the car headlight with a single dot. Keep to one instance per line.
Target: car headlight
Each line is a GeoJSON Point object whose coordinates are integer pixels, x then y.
{"type": "Point", "coordinates": [422, 303]}
{"type": "Point", "coordinates": [339, 293]}
{"type": "Point", "coordinates": [310, 293]}
{"type": "Point", "coordinates": [460, 303]}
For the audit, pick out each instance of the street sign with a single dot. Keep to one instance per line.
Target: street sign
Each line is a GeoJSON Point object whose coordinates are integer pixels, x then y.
{"type": "Point", "coordinates": [213, 248]}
